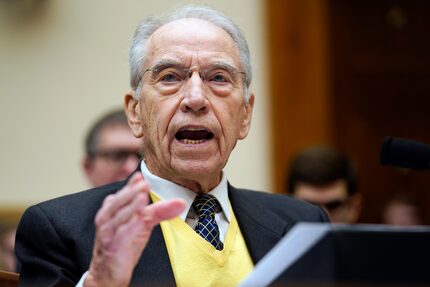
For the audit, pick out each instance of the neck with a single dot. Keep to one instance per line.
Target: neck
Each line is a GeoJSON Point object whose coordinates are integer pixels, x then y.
{"type": "Point", "coordinates": [196, 183]}
{"type": "Point", "coordinates": [200, 186]}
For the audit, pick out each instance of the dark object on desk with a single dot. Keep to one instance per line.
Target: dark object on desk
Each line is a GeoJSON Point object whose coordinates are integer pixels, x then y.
{"type": "Point", "coordinates": [364, 255]}
{"type": "Point", "coordinates": [405, 153]}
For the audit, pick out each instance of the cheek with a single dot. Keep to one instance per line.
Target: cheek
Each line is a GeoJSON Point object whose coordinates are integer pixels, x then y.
{"type": "Point", "coordinates": [156, 117]}
{"type": "Point", "coordinates": [235, 113]}
{"type": "Point", "coordinates": [230, 115]}
{"type": "Point", "coordinates": [103, 173]}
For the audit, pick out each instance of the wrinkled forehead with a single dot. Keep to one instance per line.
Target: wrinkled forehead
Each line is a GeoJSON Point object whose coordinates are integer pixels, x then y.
{"type": "Point", "coordinates": [191, 41]}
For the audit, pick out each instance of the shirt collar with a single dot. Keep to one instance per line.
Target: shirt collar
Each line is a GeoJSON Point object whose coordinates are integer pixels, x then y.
{"type": "Point", "coordinates": [166, 190]}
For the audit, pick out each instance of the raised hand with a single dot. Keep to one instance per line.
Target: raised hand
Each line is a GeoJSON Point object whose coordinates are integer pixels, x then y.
{"type": "Point", "coordinates": [124, 225]}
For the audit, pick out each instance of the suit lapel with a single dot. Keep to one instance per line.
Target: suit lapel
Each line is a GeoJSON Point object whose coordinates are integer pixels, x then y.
{"type": "Point", "coordinates": [261, 228]}
{"type": "Point", "coordinates": [154, 267]}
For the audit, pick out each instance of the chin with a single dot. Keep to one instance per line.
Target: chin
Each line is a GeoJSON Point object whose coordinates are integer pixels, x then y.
{"type": "Point", "coordinates": [198, 170]}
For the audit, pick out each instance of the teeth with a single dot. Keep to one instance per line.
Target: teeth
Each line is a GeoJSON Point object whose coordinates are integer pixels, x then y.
{"type": "Point", "coordinates": [187, 141]}
{"type": "Point", "coordinates": [194, 129]}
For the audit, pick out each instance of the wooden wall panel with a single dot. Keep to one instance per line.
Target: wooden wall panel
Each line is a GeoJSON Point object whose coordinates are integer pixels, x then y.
{"type": "Point", "coordinates": [301, 108]}
{"type": "Point", "coordinates": [380, 71]}
{"type": "Point", "coordinates": [347, 73]}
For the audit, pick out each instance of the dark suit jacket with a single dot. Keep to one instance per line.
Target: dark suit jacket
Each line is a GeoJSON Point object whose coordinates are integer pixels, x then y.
{"type": "Point", "coordinates": [55, 238]}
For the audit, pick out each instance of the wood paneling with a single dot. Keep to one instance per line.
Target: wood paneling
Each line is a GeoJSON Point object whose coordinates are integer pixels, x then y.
{"type": "Point", "coordinates": [299, 79]}
{"type": "Point", "coordinates": [9, 279]}
{"type": "Point", "coordinates": [348, 73]}
{"type": "Point", "coordinates": [10, 216]}
{"type": "Point", "coordinates": [380, 71]}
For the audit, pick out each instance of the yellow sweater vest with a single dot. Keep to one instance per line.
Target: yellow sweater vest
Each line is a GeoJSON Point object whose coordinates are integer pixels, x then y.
{"type": "Point", "coordinates": [195, 262]}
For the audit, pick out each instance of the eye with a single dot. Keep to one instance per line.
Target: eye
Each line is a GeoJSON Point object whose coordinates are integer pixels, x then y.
{"type": "Point", "coordinates": [170, 78]}
{"type": "Point", "coordinates": [117, 155]}
{"type": "Point", "coordinates": [220, 77]}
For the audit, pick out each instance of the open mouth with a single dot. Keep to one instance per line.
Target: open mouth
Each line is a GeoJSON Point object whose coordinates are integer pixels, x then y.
{"type": "Point", "coordinates": [193, 135]}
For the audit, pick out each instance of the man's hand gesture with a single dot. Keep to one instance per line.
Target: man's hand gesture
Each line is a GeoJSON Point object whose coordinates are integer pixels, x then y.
{"type": "Point", "coordinates": [124, 225]}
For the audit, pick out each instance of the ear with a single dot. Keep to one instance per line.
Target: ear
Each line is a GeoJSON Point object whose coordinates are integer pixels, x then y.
{"type": "Point", "coordinates": [246, 122]}
{"type": "Point", "coordinates": [87, 166]}
{"type": "Point", "coordinates": [355, 207]}
{"type": "Point", "coordinates": [132, 110]}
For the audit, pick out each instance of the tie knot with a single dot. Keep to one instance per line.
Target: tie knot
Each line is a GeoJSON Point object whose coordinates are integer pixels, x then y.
{"type": "Point", "coordinates": [205, 205]}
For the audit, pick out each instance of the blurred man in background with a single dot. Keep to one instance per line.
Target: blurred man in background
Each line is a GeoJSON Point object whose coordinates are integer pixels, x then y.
{"type": "Point", "coordinates": [323, 176]}
{"type": "Point", "coordinates": [8, 260]}
{"type": "Point", "coordinates": [402, 209]}
{"type": "Point", "coordinates": [111, 150]}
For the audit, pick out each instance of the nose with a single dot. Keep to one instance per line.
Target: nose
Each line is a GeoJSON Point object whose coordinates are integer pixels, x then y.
{"type": "Point", "coordinates": [194, 98]}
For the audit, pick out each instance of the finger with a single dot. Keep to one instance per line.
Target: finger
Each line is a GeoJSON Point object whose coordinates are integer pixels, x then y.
{"type": "Point", "coordinates": [137, 176]}
{"type": "Point", "coordinates": [125, 213]}
{"type": "Point", "coordinates": [135, 233]}
{"type": "Point", "coordinates": [114, 202]}
{"type": "Point", "coordinates": [163, 210]}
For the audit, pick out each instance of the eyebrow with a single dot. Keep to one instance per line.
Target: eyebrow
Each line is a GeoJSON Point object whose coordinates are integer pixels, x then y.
{"type": "Point", "coordinates": [164, 64]}
{"type": "Point", "coordinates": [170, 63]}
{"type": "Point", "coordinates": [224, 66]}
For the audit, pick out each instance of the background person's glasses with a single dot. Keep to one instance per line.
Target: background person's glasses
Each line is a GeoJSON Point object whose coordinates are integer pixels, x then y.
{"type": "Point", "coordinates": [117, 156]}
{"type": "Point", "coordinates": [333, 204]}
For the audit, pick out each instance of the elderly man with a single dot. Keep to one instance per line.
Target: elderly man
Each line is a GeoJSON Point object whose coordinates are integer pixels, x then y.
{"type": "Point", "coordinates": [190, 102]}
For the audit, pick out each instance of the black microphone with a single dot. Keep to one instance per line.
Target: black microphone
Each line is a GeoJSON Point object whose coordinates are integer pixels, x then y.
{"type": "Point", "coordinates": [405, 153]}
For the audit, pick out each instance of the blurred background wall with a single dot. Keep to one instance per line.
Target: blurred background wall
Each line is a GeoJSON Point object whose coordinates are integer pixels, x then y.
{"type": "Point", "coordinates": [64, 63]}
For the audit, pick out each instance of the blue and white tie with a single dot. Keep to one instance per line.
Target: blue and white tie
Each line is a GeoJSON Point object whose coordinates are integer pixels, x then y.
{"type": "Point", "coordinates": [205, 206]}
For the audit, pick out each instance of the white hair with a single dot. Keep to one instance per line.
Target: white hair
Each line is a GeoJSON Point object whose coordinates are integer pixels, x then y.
{"type": "Point", "coordinates": [149, 26]}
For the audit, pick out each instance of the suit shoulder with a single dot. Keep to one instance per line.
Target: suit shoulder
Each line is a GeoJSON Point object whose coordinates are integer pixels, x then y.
{"type": "Point", "coordinates": [76, 208]}
{"type": "Point", "coordinates": [83, 198]}
{"type": "Point", "coordinates": [282, 204]}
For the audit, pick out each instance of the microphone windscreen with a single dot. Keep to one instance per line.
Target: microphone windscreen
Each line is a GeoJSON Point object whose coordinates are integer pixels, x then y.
{"type": "Point", "coordinates": [405, 153]}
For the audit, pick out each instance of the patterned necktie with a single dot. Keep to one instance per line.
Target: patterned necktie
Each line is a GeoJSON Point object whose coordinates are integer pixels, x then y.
{"type": "Point", "coordinates": [205, 206]}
